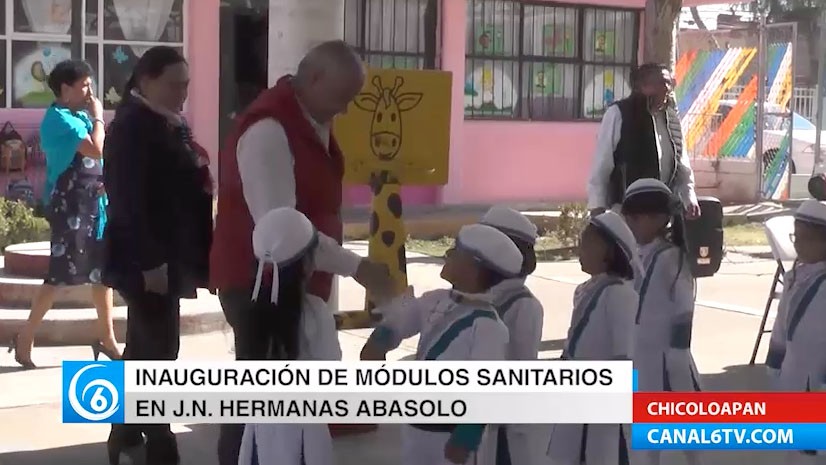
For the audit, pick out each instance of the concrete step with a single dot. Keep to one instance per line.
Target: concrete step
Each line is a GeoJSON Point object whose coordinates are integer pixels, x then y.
{"type": "Point", "coordinates": [17, 292]}
{"type": "Point", "coordinates": [439, 222]}
{"type": "Point", "coordinates": [30, 259]}
{"type": "Point", "coordinates": [22, 270]}
{"type": "Point", "coordinates": [78, 326]}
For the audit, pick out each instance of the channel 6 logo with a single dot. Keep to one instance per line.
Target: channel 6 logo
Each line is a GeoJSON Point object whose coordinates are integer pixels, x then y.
{"type": "Point", "coordinates": [93, 392]}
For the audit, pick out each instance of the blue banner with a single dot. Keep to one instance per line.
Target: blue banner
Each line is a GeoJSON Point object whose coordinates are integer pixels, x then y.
{"type": "Point", "coordinates": [93, 392]}
{"type": "Point", "coordinates": [721, 436]}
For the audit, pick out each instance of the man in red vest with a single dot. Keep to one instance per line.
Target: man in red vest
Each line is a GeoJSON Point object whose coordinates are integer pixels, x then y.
{"type": "Point", "coordinates": [282, 153]}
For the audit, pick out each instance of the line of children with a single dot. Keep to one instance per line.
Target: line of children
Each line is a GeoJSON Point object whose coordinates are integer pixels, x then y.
{"type": "Point", "coordinates": [601, 328]}
{"type": "Point", "coordinates": [797, 351]}
{"type": "Point", "coordinates": [664, 317]}
{"type": "Point", "coordinates": [523, 314]}
{"type": "Point", "coordinates": [638, 303]}
{"type": "Point", "coordinates": [453, 324]}
{"type": "Point", "coordinates": [300, 326]}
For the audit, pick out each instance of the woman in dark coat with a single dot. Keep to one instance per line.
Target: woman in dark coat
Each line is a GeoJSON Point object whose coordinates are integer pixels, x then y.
{"type": "Point", "coordinates": [160, 225]}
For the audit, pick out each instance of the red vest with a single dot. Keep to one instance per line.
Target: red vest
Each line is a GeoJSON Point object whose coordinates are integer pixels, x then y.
{"type": "Point", "coordinates": [318, 174]}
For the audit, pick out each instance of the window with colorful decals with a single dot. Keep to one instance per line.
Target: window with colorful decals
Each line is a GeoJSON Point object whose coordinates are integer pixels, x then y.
{"type": "Point", "coordinates": [117, 32]}
{"type": "Point", "coordinates": [546, 61]}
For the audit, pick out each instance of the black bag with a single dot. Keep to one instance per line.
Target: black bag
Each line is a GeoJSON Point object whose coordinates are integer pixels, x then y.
{"type": "Point", "coordinates": [21, 190]}
{"type": "Point", "coordinates": [704, 238]}
{"type": "Point", "coordinates": [9, 133]}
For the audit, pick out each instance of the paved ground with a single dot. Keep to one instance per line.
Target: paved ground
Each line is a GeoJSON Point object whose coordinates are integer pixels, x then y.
{"type": "Point", "coordinates": [726, 323]}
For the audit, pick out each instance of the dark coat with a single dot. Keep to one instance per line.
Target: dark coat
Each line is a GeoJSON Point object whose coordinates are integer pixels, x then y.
{"type": "Point", "coordinates": [160, 210]}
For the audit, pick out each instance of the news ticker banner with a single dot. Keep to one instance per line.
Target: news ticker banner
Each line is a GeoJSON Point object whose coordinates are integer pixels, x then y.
{"type": "Point", "coordinates": [729, 421]}
{"type": "Point", "coordinates": [538, 392]}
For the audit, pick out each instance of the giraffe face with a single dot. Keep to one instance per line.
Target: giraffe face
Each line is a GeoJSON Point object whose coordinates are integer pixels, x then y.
{"type": "Point", "coordinates": [387, 105]}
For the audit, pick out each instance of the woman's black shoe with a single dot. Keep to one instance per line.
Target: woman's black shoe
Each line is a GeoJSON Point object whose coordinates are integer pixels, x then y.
{"type": "Point", "coordinates": [98, 348]}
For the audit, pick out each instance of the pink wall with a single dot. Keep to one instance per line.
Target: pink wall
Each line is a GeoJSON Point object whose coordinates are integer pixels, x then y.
{"type": "Point", "coordinates": [490, 161]}
{"type": "Point", "coordinates": [204, 67]}
{"type": "Point", "coordinates": [494, 161]}
{"type": "Point", "coordinates": [202, 53]}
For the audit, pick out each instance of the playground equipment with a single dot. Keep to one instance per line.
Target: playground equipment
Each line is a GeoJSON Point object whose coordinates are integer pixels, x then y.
{"type": "Point", "coordinates": [395, 133]}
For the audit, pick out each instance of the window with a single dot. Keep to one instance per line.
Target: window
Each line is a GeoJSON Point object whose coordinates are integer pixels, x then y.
{"type": "Point", "coordinates": [34, 36]}
{"type": "Point", "coordinates": [545, 61]}
{"type": "Point", "coordinates": [393, 33]}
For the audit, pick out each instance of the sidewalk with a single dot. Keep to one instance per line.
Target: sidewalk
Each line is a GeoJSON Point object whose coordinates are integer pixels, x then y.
{"type": "Point", "coordinates": [437, 222]}
{"type": "Point", "coordinates": [31, 433]}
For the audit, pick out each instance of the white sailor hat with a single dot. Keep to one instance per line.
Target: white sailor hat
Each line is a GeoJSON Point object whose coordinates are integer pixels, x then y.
{"type": "Point", "coordinates": [510, 222]}
{"type": "Point", "coordinates": [491, 247]}
{"type": "Point", "coordinates": [616, 227]}
{"type": "Point", "coordinates": [280, 237]}
{"type": "Point", "coordinates": [646, 185]}
{"type": "Point", "coordinates": [812, 211]}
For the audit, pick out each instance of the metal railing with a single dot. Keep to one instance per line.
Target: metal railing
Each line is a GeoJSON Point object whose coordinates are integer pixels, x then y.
{"type": "Point", "coordinates": [394, 33]}
{"type": "Point", "coordinates": [804, 100]}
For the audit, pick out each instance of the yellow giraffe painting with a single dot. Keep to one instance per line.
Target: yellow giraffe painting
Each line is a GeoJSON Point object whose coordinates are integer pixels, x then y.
{"type": "Point", "coordinates": [387, 233]}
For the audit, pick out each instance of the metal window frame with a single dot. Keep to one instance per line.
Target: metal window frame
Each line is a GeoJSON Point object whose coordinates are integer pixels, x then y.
{"type": "Point", "coordinates": [520, 58]}
{"type": "Point", "coordinates": [10, 36]}
{"type": "Point", "coordinates": [430, 58]}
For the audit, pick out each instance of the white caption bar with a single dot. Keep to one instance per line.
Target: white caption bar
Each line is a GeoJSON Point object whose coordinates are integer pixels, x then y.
{"type": "Point", "coordinates": [405, 376]}
{"type": "Point", "coordinates": [378, 408]}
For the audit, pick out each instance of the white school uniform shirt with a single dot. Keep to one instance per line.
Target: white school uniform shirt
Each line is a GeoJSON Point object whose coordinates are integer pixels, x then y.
{"type": "Point", "coordinates": [267, 168]}
{"type": "Point", "coordinates": [451, 326]}
{"type": "Point", "coordinates": [797, 351]}
{"type": "Point", "coordinates": [523, 314]}
{"type": "Point", "coordinates": [297, 444]}
{"type": "Point", "coordinates": [601, 326]}
{"type": "Point", "coordinates": [608, 137]}
{"type": "Point", "coordinates": [266, 164]}
{"type": "Point", "coordinates": [664, 321]}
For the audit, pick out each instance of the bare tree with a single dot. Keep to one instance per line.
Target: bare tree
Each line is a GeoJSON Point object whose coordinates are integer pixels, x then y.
{"type": "Point", "coordinates": [661, 31]}
{"type": "Point", "coordinates": [701, 25]}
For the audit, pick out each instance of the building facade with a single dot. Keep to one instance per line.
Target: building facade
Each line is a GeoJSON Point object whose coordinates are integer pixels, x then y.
{"type": "Point", "coordinates": [530, 78]}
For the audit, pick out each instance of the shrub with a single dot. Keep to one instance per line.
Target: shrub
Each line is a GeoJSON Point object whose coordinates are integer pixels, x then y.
{"type": "Point", "coordinates": [18, 223]}
{"type": "Point", "coordinates": [572, 220]}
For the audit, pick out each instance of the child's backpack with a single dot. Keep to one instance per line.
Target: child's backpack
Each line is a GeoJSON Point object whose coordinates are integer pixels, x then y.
{"type": "Point", "coordinates": [704, 239]}
{"type": "Point", "coordinates": [21, 190]}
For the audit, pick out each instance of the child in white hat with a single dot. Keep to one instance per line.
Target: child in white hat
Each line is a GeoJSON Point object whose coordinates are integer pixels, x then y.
{"type": "Point", "coordinates": [299, 326]}
{"type": "Point", "coordinates": [664, 319]}
{"type": "Point", "coordinates": [453, 324]}
{"type": "Point", "coordinates": [523, 314]}
{"type": "Point", "coordinates": [797, 351]}
{"type": "Point", "coordinates": [601, 328]}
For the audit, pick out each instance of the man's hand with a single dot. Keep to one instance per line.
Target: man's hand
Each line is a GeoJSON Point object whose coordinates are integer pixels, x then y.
{"type": "Point", "coordinates": [156, 280]}
{"type": "Point", "coordinates": [693, 211]}
{"type": "Point", "coordinates": [597, 211]}
{"type": "Point", "coordinates": [372, 353]}
{"type": "Point", "coordinates": [94, 107]}
{"type": "Point", "coordinates": [456, 454]}
{"type": "Point", "coordinates": [375, 277]}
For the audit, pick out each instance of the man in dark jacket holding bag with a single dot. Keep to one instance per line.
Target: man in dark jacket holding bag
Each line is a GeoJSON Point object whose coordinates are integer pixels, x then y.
{"type": "Point", "coordinates": [640, 137]}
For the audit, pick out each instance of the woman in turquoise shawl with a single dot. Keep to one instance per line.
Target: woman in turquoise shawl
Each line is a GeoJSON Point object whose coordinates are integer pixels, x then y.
{"type": "Point", "coordinates": [71, 135]}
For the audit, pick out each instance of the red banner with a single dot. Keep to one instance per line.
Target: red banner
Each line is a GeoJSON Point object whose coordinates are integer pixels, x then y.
{"type": "Point", "coordinates": [729, 407]}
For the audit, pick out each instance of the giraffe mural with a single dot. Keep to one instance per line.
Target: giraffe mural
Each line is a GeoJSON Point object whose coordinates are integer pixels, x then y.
{"type": "Point", "coordinates": [387, 232]}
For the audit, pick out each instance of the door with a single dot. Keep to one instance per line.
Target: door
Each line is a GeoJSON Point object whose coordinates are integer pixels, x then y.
{"type": "Point", "coordinates": [243, 28]}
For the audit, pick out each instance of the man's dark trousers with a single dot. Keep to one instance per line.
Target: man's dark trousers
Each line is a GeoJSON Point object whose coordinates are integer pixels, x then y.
{"type": "Point", "coordinates": [251, 343]}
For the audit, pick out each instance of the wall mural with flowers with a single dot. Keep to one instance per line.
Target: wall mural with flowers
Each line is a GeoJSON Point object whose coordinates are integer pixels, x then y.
{"type": "Point", "coordinates": [117, 33]}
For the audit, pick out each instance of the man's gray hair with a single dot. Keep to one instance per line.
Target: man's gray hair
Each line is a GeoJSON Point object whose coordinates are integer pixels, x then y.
{"type": "Point", "coordinates": [334, 55]}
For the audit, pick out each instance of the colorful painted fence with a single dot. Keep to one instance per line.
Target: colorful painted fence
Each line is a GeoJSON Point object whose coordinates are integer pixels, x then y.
{"type": "Point", "coordinates": [715, 131]}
